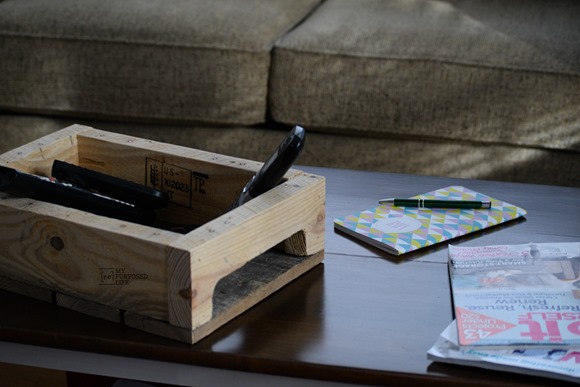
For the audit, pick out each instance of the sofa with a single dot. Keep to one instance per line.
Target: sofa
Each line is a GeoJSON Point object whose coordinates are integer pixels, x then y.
{"type": "Point", "coordinates": [486, 89]}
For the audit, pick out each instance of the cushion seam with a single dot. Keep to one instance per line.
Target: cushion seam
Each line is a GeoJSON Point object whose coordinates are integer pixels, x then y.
{"type": "Point", "coordinates": [93, 114]}
{"type": "Point", "coordinates": [135, 42]}
{"type": "Point", "coordinates": [403, 58]}
{"type": "Point", "coordinates": [347, 131]}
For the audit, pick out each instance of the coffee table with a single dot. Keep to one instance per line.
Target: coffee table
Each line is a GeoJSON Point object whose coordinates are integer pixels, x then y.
{"type": "Point", "coordinates": [361, 317]}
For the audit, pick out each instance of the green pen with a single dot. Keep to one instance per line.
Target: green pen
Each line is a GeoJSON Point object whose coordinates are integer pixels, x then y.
{"type": "Point", "coordinates": [434, 203]}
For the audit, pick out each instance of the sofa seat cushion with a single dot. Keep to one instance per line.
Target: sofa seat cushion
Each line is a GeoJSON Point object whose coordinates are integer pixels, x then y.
{"type": "Point", "coordinates": [502, 162]}
{"type": "Point", "coordinates": [204, 60]}
{"type": "Point", "coordinates": [505, 72]}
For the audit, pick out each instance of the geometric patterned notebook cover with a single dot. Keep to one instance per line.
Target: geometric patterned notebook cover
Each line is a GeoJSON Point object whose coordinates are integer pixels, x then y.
{"type": "Point", "coordinates": [399, 230]}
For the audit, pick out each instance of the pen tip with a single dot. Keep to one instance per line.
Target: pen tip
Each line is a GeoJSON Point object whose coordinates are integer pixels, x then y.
{"type": "Point", "coordinates": [387, 201]}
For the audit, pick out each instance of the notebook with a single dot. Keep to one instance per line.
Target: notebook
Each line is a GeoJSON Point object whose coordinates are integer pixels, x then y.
{"type": "Point", "coordinates": [400, 230]}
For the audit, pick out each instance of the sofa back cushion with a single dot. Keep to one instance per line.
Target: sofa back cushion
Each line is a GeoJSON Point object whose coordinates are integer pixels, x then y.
{"type": "Point", "coordinates": [166, 60]}
{"type": "Point", "coordinates": [488, 71]}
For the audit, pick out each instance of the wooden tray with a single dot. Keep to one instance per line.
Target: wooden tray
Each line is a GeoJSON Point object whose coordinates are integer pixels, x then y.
{"type": "Point", "coordinates": [182, 286]}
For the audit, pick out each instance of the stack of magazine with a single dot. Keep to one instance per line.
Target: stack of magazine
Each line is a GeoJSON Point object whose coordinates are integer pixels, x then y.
{"type": "Point", "coordinates": [517, 309]}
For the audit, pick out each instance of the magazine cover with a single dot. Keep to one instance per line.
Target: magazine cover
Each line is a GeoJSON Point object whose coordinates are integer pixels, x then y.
{"type": "Point", "coordinates": [517, 295]}
{"type": "Point", "coordinates": [399, 230]}
{"type": "Point", "coordinates": [558, 363]}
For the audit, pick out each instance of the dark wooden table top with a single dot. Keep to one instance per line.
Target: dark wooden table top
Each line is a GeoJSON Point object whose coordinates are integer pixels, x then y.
{"type": "Point", "coordinates": [363, 316]}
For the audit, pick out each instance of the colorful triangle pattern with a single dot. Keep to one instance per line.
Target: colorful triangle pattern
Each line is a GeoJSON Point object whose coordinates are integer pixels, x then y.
{"type": "Point", "coordinates": [432, 225]}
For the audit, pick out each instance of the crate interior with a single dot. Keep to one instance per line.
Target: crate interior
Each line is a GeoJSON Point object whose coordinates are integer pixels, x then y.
{"type": "Point", "coordinates": [201, 185]}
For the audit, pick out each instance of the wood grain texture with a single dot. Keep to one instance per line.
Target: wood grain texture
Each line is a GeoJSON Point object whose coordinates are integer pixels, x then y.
{"type": "Point", "coordinates": [37, 156]}
{"type": "Point", "coordinates": [96, 259]}
{"type": "Point", "coordinates": [127, 157]}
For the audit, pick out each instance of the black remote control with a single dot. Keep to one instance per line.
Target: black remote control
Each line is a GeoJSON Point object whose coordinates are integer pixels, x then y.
{"type": "Point", "coordinates": [275, 167]}
{"type": "Point", "coordinates": [121, 189]}
{"type": "Point", "coordinates": [50, 190]}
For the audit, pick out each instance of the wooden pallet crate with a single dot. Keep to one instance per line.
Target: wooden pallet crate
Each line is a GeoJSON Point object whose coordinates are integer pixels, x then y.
{"type": "Point", "coordinates": [182, 286]}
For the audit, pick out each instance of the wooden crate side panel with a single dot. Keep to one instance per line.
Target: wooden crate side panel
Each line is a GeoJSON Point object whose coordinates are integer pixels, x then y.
{"type": "Point", "coordinates": [310, 238]}
{"type": "Point", "coordinates": [236, 293]}
{"type": "Point", "coordinates": [230, 241]}
{"type": "Point", "coordinates": [179, 287]}
{"type": "Point", "coordinates": [202, 185]}
{"type": "Point", "coordinates": [37, 156]}
{"type": "Point", "coordinates": [88, 256]}
{"type": "Point", "coordinates": [258, 279]}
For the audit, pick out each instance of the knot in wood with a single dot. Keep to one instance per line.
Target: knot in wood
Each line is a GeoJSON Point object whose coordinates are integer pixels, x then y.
{"type": "Point", "coordinates": [57, 243]}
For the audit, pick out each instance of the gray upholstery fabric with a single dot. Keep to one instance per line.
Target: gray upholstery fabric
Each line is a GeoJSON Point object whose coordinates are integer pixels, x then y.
{"type": "Point", "coordinates": [477, 89]}
{"type": "Point", "coordinates": [487, 71]}
{"type": "Point", "coordinates": [169, 60]}
{"type": "Point", "coordinates": [444, 158]}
